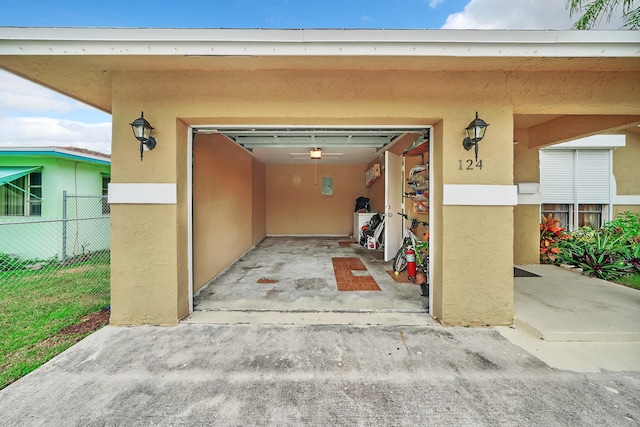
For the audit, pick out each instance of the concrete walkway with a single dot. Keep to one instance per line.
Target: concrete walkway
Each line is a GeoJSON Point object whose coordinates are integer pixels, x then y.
{"type": "Point", "coordinates": [357, 374]}
{"type": "Point", "coordinates": [563, 305]}
{"type": "Point", "coordinates": [574, 322]}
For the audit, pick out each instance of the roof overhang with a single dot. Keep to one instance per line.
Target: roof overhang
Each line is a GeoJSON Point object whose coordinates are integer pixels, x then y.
{"type": "Point", "coordinates": [79, 62]}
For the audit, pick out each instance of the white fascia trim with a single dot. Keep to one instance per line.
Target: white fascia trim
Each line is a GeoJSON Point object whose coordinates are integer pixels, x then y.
{"type": "Point", "coordinates": [592, 142]}
{"type": "Point", "coordinates": [626, 200]}
{"type": "Point", "coordinates": [318, 42]}
{"type": "Point", "coordinates": [143, 194]}
{"type": "Point", "coordinates": [479, 195]}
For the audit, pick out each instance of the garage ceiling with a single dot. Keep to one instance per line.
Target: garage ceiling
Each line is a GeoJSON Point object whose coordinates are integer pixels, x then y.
{"type": "Point", "coordinates": [292, 145]}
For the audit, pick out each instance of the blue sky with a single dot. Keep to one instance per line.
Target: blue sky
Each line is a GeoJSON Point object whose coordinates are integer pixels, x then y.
{"type": "Point", "coordinates": [32, 115]}
{"type": "Point", "coordinates": [232, 13]}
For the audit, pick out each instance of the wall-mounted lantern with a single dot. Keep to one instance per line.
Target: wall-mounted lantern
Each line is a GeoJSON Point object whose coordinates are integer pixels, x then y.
{"type": "Point", "coordinates": [475, 133]}
{"type": "Point", "coordinates": [142, 131]}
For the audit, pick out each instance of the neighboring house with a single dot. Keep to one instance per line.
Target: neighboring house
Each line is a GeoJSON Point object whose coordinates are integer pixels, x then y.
{"type": "Point", "coordinates": [42, 189]}
{"type": "Point", "coordinates": [235, 113]}
{"type": "Point", "coordinates": [578, 180]}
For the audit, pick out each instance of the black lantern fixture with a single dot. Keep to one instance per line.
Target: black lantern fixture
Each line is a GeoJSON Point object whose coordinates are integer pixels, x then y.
{"type": "Point", "coordinates": [475, 133]}
{"type": "Point", "coordinates": [142, 131]}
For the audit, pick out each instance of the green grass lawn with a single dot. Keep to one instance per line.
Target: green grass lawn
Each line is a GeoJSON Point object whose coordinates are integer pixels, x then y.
{"type": "Point", "coordinates": [632, 281]}
{"type": "Point", "coordinates": [36, 305]}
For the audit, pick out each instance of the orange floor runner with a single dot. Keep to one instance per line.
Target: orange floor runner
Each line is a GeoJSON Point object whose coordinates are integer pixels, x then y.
{"type": "Point", "coordinates": [343, 269]}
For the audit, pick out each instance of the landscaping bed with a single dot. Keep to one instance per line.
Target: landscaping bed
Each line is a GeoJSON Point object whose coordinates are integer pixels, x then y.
{"type": "Point", "coordinates": [610, 253]}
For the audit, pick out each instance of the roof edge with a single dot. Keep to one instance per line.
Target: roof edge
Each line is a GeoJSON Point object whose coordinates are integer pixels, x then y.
{"type": "Point", "coordinates": [73, 152]}
{"type": "Point", "coordinates": [306, 42]}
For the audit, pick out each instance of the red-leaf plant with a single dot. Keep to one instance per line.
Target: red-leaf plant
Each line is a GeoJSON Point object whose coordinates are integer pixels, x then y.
{"type": "Point", "coordinates": [550, 234]}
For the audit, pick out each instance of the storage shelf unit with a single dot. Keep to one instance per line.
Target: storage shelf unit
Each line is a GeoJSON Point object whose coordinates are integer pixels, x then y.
{"type": "Point", "coordinates": [420, 203]}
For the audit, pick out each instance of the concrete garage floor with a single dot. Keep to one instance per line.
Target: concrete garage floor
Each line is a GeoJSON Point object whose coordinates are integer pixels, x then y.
{"type": "Point", "coordinates": [568, 320]}
{"type": "Point", "coordinates": [282, 276]}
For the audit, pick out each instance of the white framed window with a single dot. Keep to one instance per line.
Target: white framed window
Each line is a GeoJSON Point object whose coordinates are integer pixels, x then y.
{"type": "Point", "coordinates": [22, 196]}
{"type": "Point", "coordinates": [34, 194]}
{"type": "Point", "coordinates": [589, 215]}
{"type": "Point", "coordinates": [106, 207]}
{"type": "Point", "coordinates": [558, 211]}
{"type": "Point", "coordinates": [576, 186]}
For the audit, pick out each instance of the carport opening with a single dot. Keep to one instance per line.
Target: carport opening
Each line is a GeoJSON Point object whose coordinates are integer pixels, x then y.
{"type": "Point", "coordinates": [275, 229]}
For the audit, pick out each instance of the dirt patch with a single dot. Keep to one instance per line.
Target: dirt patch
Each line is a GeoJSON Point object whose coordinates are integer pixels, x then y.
{"type": "Point", "coordinates": [88, 323]}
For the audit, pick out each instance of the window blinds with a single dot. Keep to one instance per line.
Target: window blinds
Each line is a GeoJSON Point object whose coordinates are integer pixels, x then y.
{"type": "Point", "coordinates": [575, 176]}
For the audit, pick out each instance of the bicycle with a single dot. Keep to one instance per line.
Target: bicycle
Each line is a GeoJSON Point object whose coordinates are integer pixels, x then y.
{"type": "Point", "coordinates": [410, 240]}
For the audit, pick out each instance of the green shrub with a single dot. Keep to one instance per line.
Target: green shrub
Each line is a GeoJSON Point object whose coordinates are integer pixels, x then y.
{"type": "Point", "coordinates": [627, 226]}
{"type": "Point", "coordinates": [608, 253]}
{"type": "Point", "coordinates": [603, 258]}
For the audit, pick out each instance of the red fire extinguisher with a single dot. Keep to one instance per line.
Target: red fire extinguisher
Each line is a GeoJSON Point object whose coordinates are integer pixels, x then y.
{"type": "Point", "coordinates": [411, 263]}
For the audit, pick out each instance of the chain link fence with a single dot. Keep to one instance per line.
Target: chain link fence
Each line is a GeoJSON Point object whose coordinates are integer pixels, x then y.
{"type": "Point", "coordinates": [54, 282]}
{"type": "Point", "coordinates": [69, 255]}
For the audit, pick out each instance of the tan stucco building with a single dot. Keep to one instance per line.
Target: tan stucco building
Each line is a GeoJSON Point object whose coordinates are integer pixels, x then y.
{"type": "Point", "coordinates": [200, 200]}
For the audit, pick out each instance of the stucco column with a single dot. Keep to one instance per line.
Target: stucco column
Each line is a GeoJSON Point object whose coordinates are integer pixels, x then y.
{"type": "Point", "coordinates": [148, 205]}
{"type": "Point", "coordinates": [526, 221]}
{"type": "Point", "coordinates": [473, 221]}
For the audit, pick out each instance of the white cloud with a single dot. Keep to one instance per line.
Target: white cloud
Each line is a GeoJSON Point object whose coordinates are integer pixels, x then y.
{"type": "Point", "coordinates": [34, 116]}
{"type": "Point", "coordinates": [46, 131]}
{"type": "Point", "coordinates": [519, 14]}
{"type": "Point", "coordinates": [434, 3]}
{"type": "Point", "coordinates": [17, 93]}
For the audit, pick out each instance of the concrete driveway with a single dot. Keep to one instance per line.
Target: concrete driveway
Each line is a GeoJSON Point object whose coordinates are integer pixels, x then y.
{"type": "Point", "coordinates": [340, 374]}
{"type": "Point", "coordinates": [312, 375]}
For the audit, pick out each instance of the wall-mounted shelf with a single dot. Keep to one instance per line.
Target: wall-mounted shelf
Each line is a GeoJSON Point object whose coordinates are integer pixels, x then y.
{"type": "Point", "coordinates": [372, 174]}
{"type": "Point", "coordinates": [419, 147]}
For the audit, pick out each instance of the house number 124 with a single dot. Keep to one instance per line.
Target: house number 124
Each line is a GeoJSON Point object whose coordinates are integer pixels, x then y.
{"type": "Point", "coordinates": [468, 165]}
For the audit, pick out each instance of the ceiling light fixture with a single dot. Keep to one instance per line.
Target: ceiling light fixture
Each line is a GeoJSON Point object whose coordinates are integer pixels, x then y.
{"type": "Point", "coordinates": [315, 154]}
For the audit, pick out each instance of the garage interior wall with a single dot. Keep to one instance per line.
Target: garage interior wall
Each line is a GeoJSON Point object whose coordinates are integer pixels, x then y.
{"type": "Point", "coordinates": [227, 219]}
{"type": "Point", "coordinates": [296, 206]}
{"type": "Point", "coordinates": [258, 201]}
